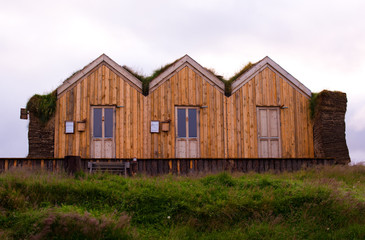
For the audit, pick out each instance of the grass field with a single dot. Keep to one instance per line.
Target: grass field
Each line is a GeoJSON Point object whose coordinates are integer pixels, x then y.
{"type": "Point", "coordinates": [321, 203]}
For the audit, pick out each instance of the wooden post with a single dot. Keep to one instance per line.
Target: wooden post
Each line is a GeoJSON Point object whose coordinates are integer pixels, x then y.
{"type": "Point", "coordinates": [72, 164]}
{"type": "Point", "coordinates": [134, 166]}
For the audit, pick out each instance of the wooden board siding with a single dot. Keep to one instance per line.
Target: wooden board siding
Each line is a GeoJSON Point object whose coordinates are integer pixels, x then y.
{"type": "Point", "coordinates": [228, 125]}
{"type": "Point", "coordinates": [268, 89]}
{"type": "Point", "coordinates": [187, 88]}
{"type": "Point", "coordinates": [102, 87]}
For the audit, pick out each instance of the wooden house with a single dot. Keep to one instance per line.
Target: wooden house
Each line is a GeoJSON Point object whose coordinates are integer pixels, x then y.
{"type": "Point", "coordinates": [102, 113]}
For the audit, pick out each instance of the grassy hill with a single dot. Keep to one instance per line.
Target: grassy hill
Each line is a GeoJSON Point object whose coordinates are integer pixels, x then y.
{"type": "Point", "coordinates": [322, 203]}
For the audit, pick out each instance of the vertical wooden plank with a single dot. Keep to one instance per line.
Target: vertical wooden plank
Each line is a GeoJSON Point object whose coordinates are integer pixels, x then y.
{"type": "Point", "coordinates": [253, 121]}
{"type": "Point", "coordinates": [85, 116]}
{"type": "Point", "coordinates": [225, 130]}
{"type": "Point", "coordinates": [242, 124]}
{"type": "Point", "coordinates": [122, 118]}
{"type": "Point", "coordinates": [174, 166]}
{"type": "Point", "coordinates": [169, 114]}
{"type": "Point", "coordinates": [258, 85]}
{"type": "Point", "coordinates": [114, 88]}
{"type": "Point", "coordinates": [57, 133]}
{"type": "Point", "coordinates": [6, 165]}
{"type": "Point", "coordinates": [238, 144]}
{"type": "Point", "coordinates": [127, 126]}
{"type": "Point", "coordinates": [249, 165]}
{"type": "Point", "coordinates": [212, 123]}
{"type": "Point", "coordinates": [117, 119]}
{"type": "Point", "coordinates": [163, 109]}
{"type": "Point", "coordinates": [283, 113]}
{"type": "Point", "coordinates": [246, 121]}
{"type": "Point", "coordinates": [230, 127]}
{"type": "Point", "coordinates": [77, 117]}
{"type": "Point", "coordinates": [134, 122]}
{"type": "Point", "coordinates": [207, 131]}
{"type": "Point", "coordinates": [91, 91]}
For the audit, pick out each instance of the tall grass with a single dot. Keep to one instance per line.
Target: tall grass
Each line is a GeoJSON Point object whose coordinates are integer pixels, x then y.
{"type": "Point", "coordinates": [316, 203]}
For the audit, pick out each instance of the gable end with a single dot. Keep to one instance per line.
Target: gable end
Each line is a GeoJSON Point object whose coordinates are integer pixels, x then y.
{"type": "Point", "coordinates": [102, 60]}
{"type": "Point", "coordinates": [268, 62]}
{"type": "Point", "coordinates": [180, 64]}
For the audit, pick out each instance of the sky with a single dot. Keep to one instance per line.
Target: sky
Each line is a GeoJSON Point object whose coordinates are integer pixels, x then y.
{"type": "Point", "coordinates": [321, 43]}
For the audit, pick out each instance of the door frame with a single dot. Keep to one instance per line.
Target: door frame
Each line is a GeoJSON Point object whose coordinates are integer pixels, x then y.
{"type": "Point", "coordinates": [103, 107]}
{"type": "Point", "coordinates": [259, 128]}
{"type": "Point", "coordinates": [187, 127]}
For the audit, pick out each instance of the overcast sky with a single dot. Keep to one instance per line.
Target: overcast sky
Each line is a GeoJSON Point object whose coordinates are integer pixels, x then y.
{"type": "Point", "coordinates": [321, 43]}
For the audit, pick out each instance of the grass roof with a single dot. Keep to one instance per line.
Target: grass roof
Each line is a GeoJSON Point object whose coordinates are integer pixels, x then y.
{"type": "Point", "coordinates": [147, 79]}
{"type": "Point", "coordinates": [43, 106]}
{"type": "Point", "coordinates": [228, 82]}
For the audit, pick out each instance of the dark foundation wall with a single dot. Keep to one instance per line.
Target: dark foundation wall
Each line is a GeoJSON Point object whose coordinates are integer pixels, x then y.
{"type": "Point", "coordinates": [329, 130]}
{"type": "Point", "coordinates": [40, 138]}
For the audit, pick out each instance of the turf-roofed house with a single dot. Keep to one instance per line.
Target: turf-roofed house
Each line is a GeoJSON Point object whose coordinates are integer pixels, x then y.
{"type": "Point", "coordinates": [184, 110]}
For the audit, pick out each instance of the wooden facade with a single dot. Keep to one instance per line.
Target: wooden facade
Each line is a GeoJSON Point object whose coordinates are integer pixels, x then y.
{"type": "Point", "coordinates": [198, 120]}
{"type": "Point", "coordinates": [268, 86]}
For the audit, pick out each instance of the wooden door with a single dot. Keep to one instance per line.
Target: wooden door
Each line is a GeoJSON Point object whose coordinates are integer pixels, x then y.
{"type": "Point", "coordinates": [102, 132]}
{"type": "Point", "coordinates": [187, 132]}
{"type": "Point", "coordinates": [268, 130]}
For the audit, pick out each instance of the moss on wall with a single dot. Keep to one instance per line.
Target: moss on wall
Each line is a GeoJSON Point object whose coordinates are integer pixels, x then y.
{"type": "Point", "coordinates": [43, 107]}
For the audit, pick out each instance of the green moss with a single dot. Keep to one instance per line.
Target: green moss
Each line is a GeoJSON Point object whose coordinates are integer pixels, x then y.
{"type": "Point", "coordinates": [147, 79]}
{"type": "Point", "coordinates": [248, 66]}
{"type": "Point", "coordinates": [43, 106]}
{"type": "Point", "coordinates": [228, 83]}
{"type": "Point", "coordinates": [312, 104]}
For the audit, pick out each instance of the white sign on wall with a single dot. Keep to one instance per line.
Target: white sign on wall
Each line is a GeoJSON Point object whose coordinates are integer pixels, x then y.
{"type": "Point", "coordinates": [155, 126]}
{"type": "Point", "coordinates": [69, 127]}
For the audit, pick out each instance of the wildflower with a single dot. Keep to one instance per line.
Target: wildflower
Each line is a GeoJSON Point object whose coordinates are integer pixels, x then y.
{"type": "Point", "coordinates": [168, 217]}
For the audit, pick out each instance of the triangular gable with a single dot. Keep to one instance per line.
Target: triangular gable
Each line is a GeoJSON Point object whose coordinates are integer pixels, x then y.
{"type": "Point", "coordinates": [268, 62]}
{"type": "Point", "coordinates": [103, 59]}
{"type": "Point", "coordinates": [180, 64]}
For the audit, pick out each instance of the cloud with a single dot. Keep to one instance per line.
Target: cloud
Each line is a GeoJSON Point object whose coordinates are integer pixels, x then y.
{"type": "Point", "coordinates": [43, 42]}
{"type": "Point", "coordinates": [357, 120]}
{"type": "Point", "coordinates": [357, 156]}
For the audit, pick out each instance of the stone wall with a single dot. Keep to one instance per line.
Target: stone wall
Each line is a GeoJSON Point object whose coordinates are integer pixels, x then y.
{"type": "Point", "coordinates": [40, 138]}
{"type": "Point", "coordinates": [329, 130]}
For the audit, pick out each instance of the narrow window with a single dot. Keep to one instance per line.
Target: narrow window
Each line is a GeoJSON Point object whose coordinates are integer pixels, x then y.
{"type": "Point", "coordinates": [192, 123]}
{"type": "Point", "coordinates": [108, 122]}
{"type": "Point", "coordinates": [181, 123]}
{"type": "Point", "coordinates": [97, 123]}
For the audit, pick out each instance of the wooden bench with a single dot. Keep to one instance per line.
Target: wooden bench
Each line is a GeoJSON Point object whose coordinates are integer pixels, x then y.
{"type": "Point", "coordinates": [114, 167]}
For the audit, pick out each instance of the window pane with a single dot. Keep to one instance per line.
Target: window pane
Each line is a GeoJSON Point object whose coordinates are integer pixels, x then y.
{"type": "Point", "coordinates": [97, 123]}
{"type": "Point", "coordinates": [192, 123]}
{"type": "Point", "coordinates": [181, 123]}
{"type": "Point", "coordinates": [108, 122]}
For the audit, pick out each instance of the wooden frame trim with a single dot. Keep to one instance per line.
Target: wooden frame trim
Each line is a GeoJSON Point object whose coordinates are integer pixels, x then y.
{"type": "Point", "coordinates": [187, 127]}
{"type": "Point", "coordinates": [91, 127]}
{"type": "Point", "coordinates": [259, 128]}
{"type": "Point", "coordinates": [183, 62]}
{"type": "Point", "coordinates": [103, 59]}
{"type": "Point", "coordinates": [268, 62]}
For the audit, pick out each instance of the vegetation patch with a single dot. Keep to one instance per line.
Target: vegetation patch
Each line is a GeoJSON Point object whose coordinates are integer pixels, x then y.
{"type": "Point", "coordinates": [43, 106]}
{"type": "Point", "coordinates": [147, 79]}
{"type": "Point", "coordinates": [313, 104]}
{"type": "Point", "coordinates": [318, 203]}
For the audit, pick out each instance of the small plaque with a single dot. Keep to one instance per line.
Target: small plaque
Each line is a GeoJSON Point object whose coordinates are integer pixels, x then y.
{"type": "Point", "coordinates": [69, 127]}
{"type": "Point", "coordinates": [155, 126]}
{"type": "Point", "coordinates": [165, 126]}
{"type": "Point", "coordinates": [81, 126]}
